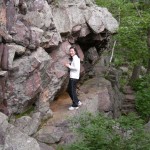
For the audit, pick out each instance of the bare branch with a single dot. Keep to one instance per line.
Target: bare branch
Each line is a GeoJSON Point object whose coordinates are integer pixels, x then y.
{"type": "Point", "coordinates": [112, 52]}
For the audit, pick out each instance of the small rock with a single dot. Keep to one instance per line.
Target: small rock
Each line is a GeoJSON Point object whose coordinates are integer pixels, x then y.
{"type": "Point", "coordinates": [49, 134]}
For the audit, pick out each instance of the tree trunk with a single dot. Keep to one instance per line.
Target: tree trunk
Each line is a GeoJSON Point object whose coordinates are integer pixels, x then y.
{"type": "Point", "coordinates": [148, 44]}
{"type": "Point", "coordinates": [135, 73]}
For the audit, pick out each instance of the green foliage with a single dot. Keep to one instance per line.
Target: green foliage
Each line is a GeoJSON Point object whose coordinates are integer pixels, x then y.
{"type": "Point", "coordinates": [134, 19]}
{"type": "Point", "coordinates": [142, 87]}
{"type": "Point", "coordinates": [141, 83]}
{"type": "Point", "coordinates": [143, 103]}
{"type": "Point", "coordinates": [118, 61]}
{"type": "Point", "coordinates": [123, 81]}
{"type": "Point", "coordinates": [103, 133]}
{"type": "Point", "coordinates": [131, 122]}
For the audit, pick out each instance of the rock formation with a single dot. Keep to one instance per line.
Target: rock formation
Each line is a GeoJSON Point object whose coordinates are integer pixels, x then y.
{"type": "Point", "coordinates": [12, 138]}
{"type": "Point", "coordinates": [35, 37]}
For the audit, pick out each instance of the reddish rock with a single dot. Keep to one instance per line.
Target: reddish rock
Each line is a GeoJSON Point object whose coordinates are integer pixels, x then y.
{"type": "Point", "coordinates": [35, 37]}
{"type": "Point", "coordinates": [10, 14]}
{"type": "Point", "coordinates": [33, 51]}
{"type": "Point", "coordinates": [20, 34]}
{"type": "Point", "coordinates": [128, 90]}
{"type": "Point", "coordinates": [98, 37]}
{"type": "Point", "coordinates": [60, 74]}
{"type": "Point", "coordinates": [4, 109]}
{"type": "Point", "coordinates": [84, 30]}
{"type": "Point", "coordinates": [65, 47]}
{"type": "Point", "coordinates": [37, 5]}
{"type": "Point", "coordinates": [130, 97]}
{"type": "Point", "coordinates": [53, 55]}
{"type": "Point", "coordinates": [2, 14]}
{"type": "Point", "coordinates": [1, 53]}
{"type": "Point", "coordinates": [82, 69]}
{"type": "Point", "coordinates": [80, 52]}
{"type": "Point", "coordinates": [71, 39]}
{"type": "Point", "coordinates": [5, 35]}
{"type": "Point", "coordinates": [3, 78]}
{"type": "Point", "coordinates": [32, 85]}
{"type": "Point", "coordinates": [93, 55]}
{"type": "Point", "coordinates": [3, 103]}
{"type": "Point", "coordinates": [104, 101]}
{"type": "Point", "coordinates": [4, 61]}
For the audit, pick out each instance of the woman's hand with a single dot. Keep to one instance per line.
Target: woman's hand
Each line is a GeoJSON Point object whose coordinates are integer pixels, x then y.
{"type": "Point", "coordinates": [67, 64]}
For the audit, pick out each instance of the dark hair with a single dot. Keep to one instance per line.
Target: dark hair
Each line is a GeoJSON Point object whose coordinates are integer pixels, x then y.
{"type": "Point", "coordinates": [73, 47]}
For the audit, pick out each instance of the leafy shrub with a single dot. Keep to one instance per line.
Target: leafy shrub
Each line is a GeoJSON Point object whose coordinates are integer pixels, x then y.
{"type": "Point", "coordinates": [143, 103]}
{"type": "Point", "coordinates": [141, 83]}
{"type": "Point", "coordinates": [102, 133]}
{"type": "Point", "coordinates": [142, 87]}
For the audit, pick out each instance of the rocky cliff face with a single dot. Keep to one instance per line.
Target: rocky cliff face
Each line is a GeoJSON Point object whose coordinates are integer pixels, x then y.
{"type": "Point", "coordinates": [35, 36]}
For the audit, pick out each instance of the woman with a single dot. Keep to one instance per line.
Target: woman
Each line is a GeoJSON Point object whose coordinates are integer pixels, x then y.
{"type": "Point", "coordinates": [74, 76]}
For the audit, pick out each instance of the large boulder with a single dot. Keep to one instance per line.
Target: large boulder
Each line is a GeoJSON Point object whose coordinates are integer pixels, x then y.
{"type": "Point", "coordinates": [96, 17]}
{"type": "Point", "coordinates": [37, 74]}
{"type": "Point", "coordinates": [25, 81]}
{"type": "Point", "coordinates": [28, 125]}
{"type": "Point", "coordinates": [49, 134]}
{"type": "Point", "coordinates": [35, 37]}
{"type": "Point", "coordinates": [72, 16]}
{"type": "Point", "coordinates": [12, 138]}
{"type": "Point", "coordinates": [15, 139]}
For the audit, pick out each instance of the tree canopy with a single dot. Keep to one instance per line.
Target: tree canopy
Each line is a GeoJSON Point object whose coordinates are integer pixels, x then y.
{"type": "Point", "coordinates": [134, 19]}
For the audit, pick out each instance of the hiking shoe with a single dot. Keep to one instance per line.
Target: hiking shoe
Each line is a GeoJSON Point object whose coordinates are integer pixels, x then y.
{"type": "Point", "coordinates": [73, 108]}
{"type": "Point", "coordinates": [79, 103]}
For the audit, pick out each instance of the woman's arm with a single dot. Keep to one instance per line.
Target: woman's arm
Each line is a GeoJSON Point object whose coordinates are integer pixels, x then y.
{"type": "Point", "coordinates": [75, 65]}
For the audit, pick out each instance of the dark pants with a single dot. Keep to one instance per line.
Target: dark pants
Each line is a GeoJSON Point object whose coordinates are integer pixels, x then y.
{"type": "Point", "coordinates": [72, 91]}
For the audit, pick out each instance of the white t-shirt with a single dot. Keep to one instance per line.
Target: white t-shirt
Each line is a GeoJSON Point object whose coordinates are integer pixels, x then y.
{"type": "Point", "coordinates": [75, 67]}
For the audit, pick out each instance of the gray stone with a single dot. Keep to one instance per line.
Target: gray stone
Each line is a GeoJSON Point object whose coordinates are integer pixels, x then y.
{"type": "Point", "coordinates": [11, 55]}
{"type": "Point", "coordinates": [42, 35]}
{"type": "Point", "coordinates": [143, 70]}
{"type": "Point", "coordinates": [124, 69]}
{"type": "Point", "coordinates": [42, 106]}
{"type": "Point", "coordinates": [72, 16]}
{"type": "Point", "coordinates": [109, 21]}
{"type": "Point", "coordinates": [3, 127]}
{"type": "Point", "coordinates": [28, 125]}
{"type": "Point", "coordinates": [14, 139]}
{"type": "Point", "coordinates": [3, 73]}
{"type": "Point", "coordinates": [51, 39]}
{"type": "Point", "coordinates": [84, 31]}
{"type": "Point", "coordinates": [90, 2]}
{"type": "Point", "coordinates": [101, 97]}
{"type": "Point", "coordinates": [22, 84]}
{"type": "Point", "coordinates": [147, 127]}
{"type": "Point", "coordinates": [20, 33]}
{"type": "Point", "coordinates": [105, 103]}
{"type": "Point", "coordinates": [18, 49]}
{"type": "Point", "coordinates": [92, 55]}
{"type": "Point", "coordinates": [36, 37]}
{"type": "Point", "coordinates": [40, 15]}
{"type": "Point", "coordinates": [3, 119]}
{"type": "Point", "coordinates": [45, 146]}
{"type": "Point", "coordinates": [95, 21]}
{"type": "Point", "coordinates": [49, 134]}
{"type": "Point", "coordinates": [76, 29]}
